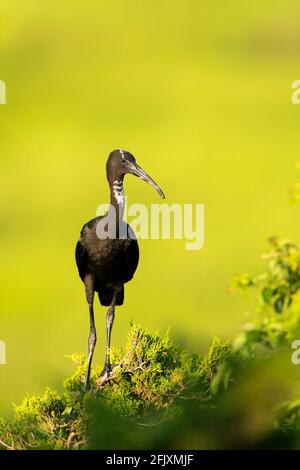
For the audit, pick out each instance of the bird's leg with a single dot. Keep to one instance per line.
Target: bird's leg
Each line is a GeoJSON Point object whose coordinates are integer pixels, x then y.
{"type": "Point", "coordinates": [110, 316]}
{"type": "Point", "coordinates": [89, 288]}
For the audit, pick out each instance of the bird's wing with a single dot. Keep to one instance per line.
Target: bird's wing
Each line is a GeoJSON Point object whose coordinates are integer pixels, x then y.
{"type": "Point", "coordinates": [132, 255]}
{"type": "Point", "coordinates": [81, 253]}
{"type": "Point", "coordinates": [81, 259]}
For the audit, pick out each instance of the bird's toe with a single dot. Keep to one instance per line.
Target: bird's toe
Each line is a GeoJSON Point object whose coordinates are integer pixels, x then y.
{"type": "Point", "coordinates": [106, 373]}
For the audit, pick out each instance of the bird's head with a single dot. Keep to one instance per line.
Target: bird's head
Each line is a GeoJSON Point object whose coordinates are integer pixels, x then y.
{"type": "Point", "coordinates": [120, 162]}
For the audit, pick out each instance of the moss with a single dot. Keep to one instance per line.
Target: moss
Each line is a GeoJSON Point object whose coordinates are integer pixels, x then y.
{"type": "Point", "coordinates": [162, 396]}
{"type": "Point", "coordinates": [153, 372]}
{"type": "Point", "coordinates": [243, 393]}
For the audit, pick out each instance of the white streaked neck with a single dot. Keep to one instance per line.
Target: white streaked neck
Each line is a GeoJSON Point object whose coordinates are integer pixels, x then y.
{"type": "Point", "coordinates": [118, 197]}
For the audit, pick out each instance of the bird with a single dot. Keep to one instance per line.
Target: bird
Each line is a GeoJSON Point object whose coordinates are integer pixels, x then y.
{"type": "Point", "coordinates": [107, 252]}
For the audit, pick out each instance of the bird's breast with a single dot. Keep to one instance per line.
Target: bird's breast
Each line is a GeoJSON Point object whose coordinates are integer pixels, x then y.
{"type": "Point", "coordinates": [110, 259]}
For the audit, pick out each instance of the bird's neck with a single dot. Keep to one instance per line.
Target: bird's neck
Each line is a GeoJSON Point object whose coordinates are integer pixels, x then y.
{"type": "Point", "coordinates": [117, 198]}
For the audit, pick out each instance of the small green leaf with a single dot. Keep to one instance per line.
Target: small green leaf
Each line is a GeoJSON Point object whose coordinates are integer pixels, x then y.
{"type": "Point", "coordinates": [279, 304]}
{"type": "Point", "coordinates": [266, 294]}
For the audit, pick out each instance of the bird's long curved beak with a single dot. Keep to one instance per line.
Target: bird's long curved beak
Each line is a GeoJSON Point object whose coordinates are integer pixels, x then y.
{"type": "Point", "coordinates": [136, 170]}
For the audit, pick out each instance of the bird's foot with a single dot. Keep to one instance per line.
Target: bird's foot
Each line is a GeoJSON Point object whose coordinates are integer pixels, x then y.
{"type": "Point", "coordinates": [86, 388]}
{"type": "Point", "coordinates": [106, 373]}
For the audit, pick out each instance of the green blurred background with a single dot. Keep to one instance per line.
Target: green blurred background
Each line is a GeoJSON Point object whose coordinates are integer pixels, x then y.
{"type": "Point", "coordinates": [201, 95]}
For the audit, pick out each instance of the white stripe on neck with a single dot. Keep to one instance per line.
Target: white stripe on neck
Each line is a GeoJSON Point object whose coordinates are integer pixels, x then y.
{"type": "Point", "coordinates": [118, 191]}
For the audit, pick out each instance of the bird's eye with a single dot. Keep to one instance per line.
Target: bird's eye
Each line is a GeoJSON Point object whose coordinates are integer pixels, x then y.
{"type": "Point", "coordinates": [123, 159]}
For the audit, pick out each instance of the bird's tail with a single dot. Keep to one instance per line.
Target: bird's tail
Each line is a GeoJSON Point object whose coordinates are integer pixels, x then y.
{"type": "Point", "coordinates": [106, 295]}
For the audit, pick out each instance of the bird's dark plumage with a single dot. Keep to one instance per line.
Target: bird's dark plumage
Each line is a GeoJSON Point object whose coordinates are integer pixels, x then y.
{"type": "Point", "coordinates": [111, 262]}
{"type": "Point", "coordinates": [107, 253]}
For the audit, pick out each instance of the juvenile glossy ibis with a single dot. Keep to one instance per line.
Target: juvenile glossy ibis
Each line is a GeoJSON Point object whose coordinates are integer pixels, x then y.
{"type": "Point", "coordinates": [107, 253]}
